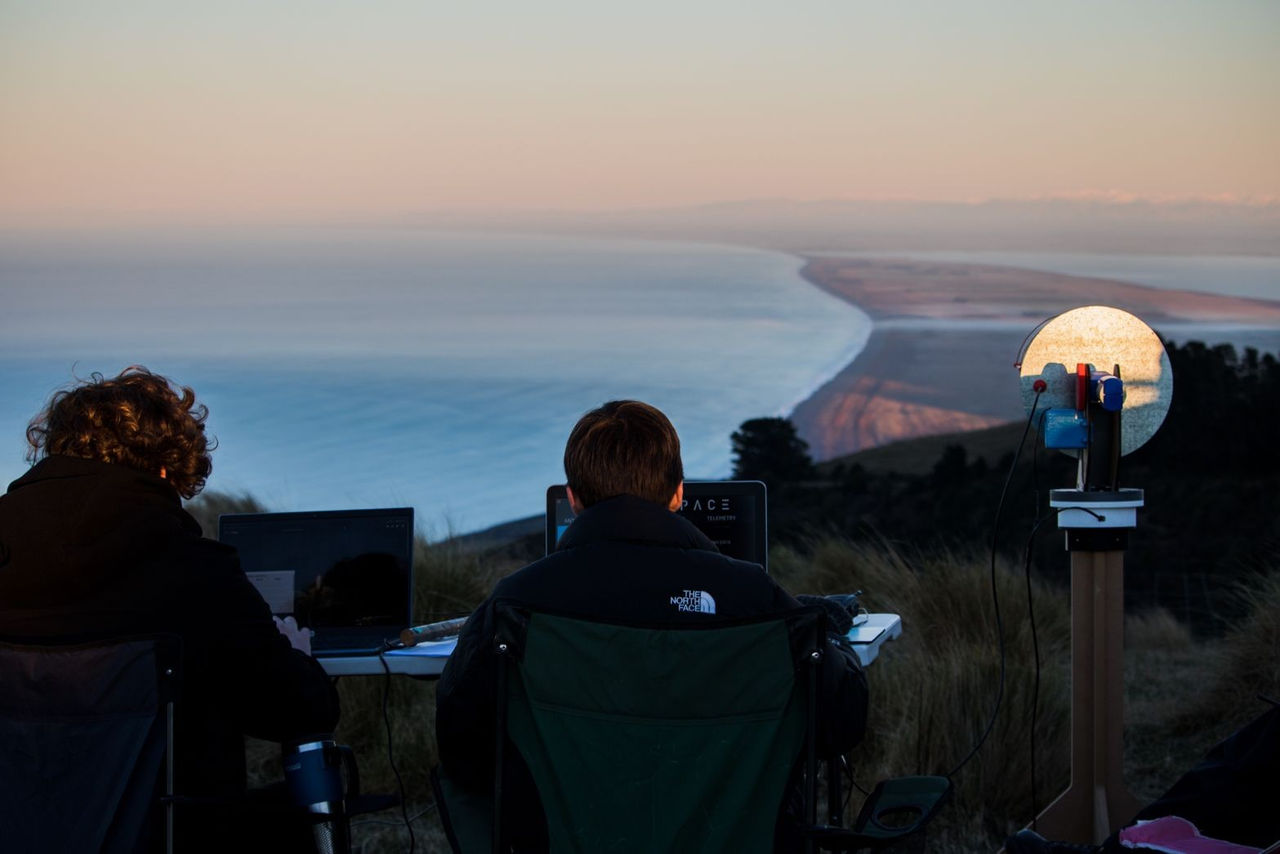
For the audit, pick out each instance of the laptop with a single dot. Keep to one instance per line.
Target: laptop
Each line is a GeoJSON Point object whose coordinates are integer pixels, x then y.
{"type": "Point", "coordinates": [732, 513]}
{"type": "Point", "coordinates": [345, 574]}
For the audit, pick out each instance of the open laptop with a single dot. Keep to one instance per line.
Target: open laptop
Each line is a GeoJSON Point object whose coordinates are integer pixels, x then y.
{"type": "Point", "coordinates": [345, 574]}
{"type": "Point", "coordinates": [732, 513]}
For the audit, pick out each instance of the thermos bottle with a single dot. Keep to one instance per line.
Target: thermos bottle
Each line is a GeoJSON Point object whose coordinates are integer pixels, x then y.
{"type": "Point", "coordinates": [313, 773]}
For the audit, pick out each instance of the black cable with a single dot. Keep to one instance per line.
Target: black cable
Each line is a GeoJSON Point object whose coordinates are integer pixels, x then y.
{"type": "Point", "coordinates": [1035, 690]}
{"type": "Point", "coordinates": [1022, 348]}
{"type": "Point", "coordinates": [848, 769]}
{"type": "Point", "coordinates": [419, 814]}
{"type": "Point", "coordinates": [995, 596]}
{"type": "Point", "coordinates": [1031, 615]}
{"type": "Point", "coordinates": [386, 722]}
{"type": "Point", "coordinates": [1035, 644]}
{"type": "Point", "coordinates": [1035, 466]}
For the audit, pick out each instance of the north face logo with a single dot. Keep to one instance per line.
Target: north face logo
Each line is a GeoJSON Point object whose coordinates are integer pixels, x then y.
{"type": "Point", "coordinates": [695, 600]}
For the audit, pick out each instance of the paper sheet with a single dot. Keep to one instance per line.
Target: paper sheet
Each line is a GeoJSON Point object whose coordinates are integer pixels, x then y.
{"type": "Point", "coordinates": [428, 649]}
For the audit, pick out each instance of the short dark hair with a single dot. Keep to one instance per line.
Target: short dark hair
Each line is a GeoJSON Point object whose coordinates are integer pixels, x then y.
{"type": "Point", "coordinates": [137, 419]}
{"type": "Point", "coordinates": [624, 447]}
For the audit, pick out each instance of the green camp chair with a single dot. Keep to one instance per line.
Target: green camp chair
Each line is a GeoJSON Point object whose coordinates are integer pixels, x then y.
{"type": "Point", "coordinates": [654, 739]}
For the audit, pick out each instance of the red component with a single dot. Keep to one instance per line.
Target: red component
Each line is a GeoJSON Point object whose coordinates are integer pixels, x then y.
{"type": "Point", "coordinates": [1039, 386]}
{"type": "Point", "coordinates": [1082, 385]}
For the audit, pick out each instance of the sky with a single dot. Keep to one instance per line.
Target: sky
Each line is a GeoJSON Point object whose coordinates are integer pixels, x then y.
{"type": "Point", "coordinates": [148, 111]}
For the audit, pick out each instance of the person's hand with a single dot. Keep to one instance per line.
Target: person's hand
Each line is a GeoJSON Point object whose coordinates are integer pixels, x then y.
{"type": "Point", "coordinates": [839, 620]}
{"type": "Point", "coordinates": [299, 638]}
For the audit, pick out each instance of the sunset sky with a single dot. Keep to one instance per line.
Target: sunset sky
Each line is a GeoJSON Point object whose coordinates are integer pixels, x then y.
{"type": "Point", "coordinates": [231, 111]}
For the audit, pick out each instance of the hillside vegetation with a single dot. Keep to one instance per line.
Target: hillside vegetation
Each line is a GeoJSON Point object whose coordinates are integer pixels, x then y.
{"type": "Point", "coordinates": [1211, 477]}
{"type": "Point", "coordinates": [914, 537]}
{"type": "Point", "coordinates": [932, 689]}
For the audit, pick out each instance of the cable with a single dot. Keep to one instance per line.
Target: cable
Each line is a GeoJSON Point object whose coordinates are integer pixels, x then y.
{"type": "Point", "coordinates": [386, 722]}
{"type": "Point", "coordinates": [995, 596]}
{"type": "Point", "coordinates": [419, 814]}
{"type": "Point", "coordinates": [848, 773]}
{"type": "Point", "coordinates": [1035, 643]}
{"type": "Point", "coordinates": [1035, 466]}
{"type": "Point", "coordinates": [1022, 348]}
{"type": "Point", "coordinates": [1035, 653]}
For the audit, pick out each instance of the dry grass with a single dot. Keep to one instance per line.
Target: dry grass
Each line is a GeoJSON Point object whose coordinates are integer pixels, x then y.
{"type": "Point", "coordinates": [932, 690]}
{"type": "Point", "coordinates": [208, 506]}
{"type": "Point", "coordinates": [1161, 660]}
{"type": "Point", "coordinates": [449, 581]}
{"type": "Point", "coordinates": [1184, 695]}
{"type": "Point", "coordinates": [1249, 660]}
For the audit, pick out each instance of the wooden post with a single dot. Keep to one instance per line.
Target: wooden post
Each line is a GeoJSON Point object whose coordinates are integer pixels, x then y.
{"type": "Point", "coordinates": [1097, 803]}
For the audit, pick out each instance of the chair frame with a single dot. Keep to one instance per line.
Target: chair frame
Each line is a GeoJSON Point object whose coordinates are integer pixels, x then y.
{"type": "Point", "coordinates": [166, 651]}
{"type": "Point", "coordinates": [923, 796]}
{"type": "Point", "coordinates": [808, 671]}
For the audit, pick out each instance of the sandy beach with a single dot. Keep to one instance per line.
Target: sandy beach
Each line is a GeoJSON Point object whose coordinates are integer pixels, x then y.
{"type": "Point", "coordinates": [941, 356]}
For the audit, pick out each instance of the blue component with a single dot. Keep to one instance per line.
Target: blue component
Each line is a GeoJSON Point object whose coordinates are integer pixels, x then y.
{"type": "Point", "coordinates": [1108, 391]}
{"type": "Point", "coordinates": [1065, 428]}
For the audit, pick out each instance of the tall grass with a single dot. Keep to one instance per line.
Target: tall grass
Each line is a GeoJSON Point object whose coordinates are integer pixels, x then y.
{"type": "Point", "coordinates": [450, 580]}
{"type": "Point", "coordinates": [390, 721]}
{"type": "Point", "coordinates": [933, 690]}
{"type": "Point", "coordinates": [1246, 663]}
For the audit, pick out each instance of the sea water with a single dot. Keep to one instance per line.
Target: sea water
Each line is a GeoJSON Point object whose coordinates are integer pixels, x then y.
{"type": "Point", "coordinates": [359, 367]}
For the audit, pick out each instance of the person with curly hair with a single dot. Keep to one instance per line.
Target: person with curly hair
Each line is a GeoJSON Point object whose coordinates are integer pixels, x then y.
{"type": "Point", "coordinates": [95, 543]}
{"type": "Point", "coordinates": [137, 419]}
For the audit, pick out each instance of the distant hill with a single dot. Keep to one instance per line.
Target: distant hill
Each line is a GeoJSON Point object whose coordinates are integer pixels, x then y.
{"type": "Point", "coordinates": [1211, 476]}
{"type": "Point", "coordinates": [918, 456]}
{"type": "Point", "coordinates": [1095, 224]}
{"type": "Point", "coordinates": [506, 535]}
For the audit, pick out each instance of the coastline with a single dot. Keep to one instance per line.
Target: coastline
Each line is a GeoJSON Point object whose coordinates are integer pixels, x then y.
{"type": "Point", "coordinates": [945, 336]}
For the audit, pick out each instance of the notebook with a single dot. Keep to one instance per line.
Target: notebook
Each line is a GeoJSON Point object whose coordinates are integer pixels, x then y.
{"type": "Point", "coordinates": [345, 574]}
{"type": "Point", "coordinates": [732, 513]}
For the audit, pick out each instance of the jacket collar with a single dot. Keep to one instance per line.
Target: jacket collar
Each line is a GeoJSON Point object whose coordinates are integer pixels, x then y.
{"type": "Point", "coordinates": [59, 467]}
{"type": "Point", "coordinates": [626, 518]}
{"type": "Point", "coordinates": [110, 490]}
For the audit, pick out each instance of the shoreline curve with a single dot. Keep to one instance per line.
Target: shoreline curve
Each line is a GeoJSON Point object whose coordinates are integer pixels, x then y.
{"type": "Point", "coordinates": [945, 336]}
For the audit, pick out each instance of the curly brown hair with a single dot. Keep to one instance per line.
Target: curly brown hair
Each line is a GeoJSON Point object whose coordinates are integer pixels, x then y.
{"type": "Point", "coordinates": [138, 419]}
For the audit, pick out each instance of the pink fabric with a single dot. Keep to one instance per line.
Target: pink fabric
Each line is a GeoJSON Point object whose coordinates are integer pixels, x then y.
{"type": "Point", "coordinates": [1177, 836]}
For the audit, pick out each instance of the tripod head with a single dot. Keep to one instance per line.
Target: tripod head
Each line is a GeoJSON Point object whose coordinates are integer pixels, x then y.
{"type": "Point", "coordinates": [1112, 398]}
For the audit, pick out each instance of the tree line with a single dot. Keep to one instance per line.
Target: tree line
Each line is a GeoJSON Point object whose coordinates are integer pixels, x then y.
{"type": "Point", "coordinates": [1211, 475]}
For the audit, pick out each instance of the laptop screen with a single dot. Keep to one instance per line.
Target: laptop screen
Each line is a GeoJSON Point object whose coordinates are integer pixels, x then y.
{"type": "Point", "coordinates": [345, 574]}
{"type": "Point", "coordinates": [732, 513]}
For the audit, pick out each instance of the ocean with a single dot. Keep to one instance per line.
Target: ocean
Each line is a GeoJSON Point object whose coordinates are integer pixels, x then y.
{"type": "Point", "coordinates": [363, 367]}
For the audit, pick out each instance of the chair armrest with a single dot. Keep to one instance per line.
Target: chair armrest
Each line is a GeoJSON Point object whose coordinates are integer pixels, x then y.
{"type": "Point", "coordinates": [897, 808]}
{"type": "Point", "coordinates": [901, 806]}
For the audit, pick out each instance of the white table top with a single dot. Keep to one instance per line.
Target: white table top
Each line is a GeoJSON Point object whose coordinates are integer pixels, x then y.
{"type": "Point", "coordinates": [428, 659]}
{"type": "Point", "coordinates": [867, 637]}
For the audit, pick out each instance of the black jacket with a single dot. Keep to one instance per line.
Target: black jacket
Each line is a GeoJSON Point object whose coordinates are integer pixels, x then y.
{"type": "Point", "coordinates": [632, 560]}
{"type": "Point", "coordinates": [91, 550]}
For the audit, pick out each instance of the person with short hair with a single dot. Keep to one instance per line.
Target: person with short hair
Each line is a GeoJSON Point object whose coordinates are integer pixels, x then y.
{"type": "Point", "coordinates": [94, 543]}
{"type": "Point", "coordinates": [627, 556]}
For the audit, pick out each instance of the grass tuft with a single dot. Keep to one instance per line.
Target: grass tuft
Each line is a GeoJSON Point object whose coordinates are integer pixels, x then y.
{"type": "Point", "coordinates": [932, 690]}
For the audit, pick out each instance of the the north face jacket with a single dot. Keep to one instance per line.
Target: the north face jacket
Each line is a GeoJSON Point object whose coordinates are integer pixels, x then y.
{"type": "Point", "coordinates": [631, 560]}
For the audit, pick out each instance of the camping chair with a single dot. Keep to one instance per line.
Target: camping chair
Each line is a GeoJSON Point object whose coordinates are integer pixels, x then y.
{"type": "Point", "coordinates": [661, 739]}
{"type": "Point", "coordinates": [87, 759]}
{"type": "Point", "coordinates": [86, 731]}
